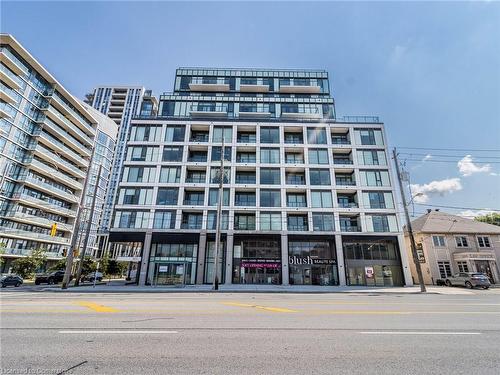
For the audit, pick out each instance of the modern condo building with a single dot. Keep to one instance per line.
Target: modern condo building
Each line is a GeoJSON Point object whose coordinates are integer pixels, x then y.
{"type": "Point", "coordinates": [308, 196]}
{"type": "Point", "coordinates": [46, 140]}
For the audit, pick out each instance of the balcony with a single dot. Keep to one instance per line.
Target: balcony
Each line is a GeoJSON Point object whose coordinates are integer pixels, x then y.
{"type": "Point", "coordinates": [28, 235]}
{"type": "Point", "coordinates": [340, 140]}
{"type": "Point", "coordinates": [209, 84]}
{"type": "Point", "coordinates": [62, 149]}
{"type": "Point", "coordinates": [49, 189]}
{"type": "Point", "coordinates": [43, 169]}
{"type": "Point", "coordinates": [52, 157]}
{"type": "Point", "coordinates": [26, 252]}
{"type": "Point", "coordinates": [199, 137]}
{"type": "Point", "coordinates": [341, 160]}
{"type": "Point", "coordinates": [349, 228]}
{"type": "Point", "coordinates": [78, 119]}
{"type": "Point", "coordinates": [246, 113]}
{"type": "Point", "coordinates": [344, 204]}
{"type": "Point", "coordinates": [7, 95]}
{"type": "Point", "coordinates": [10, 78]}
{"type": "Point", "coordinates": [12, 62]}
{"type": "Point", "coordinates": [301, 113]}
{"type": "Point", "coordinates": [37, 220]}
{"type": "Point", "coordinates": [69, 126]}
{"type": "Point", "coordinates": [291, 88]}
{"type": "Point", "coordinates": [204, 110]}
{"type": "Point", "coordinates": [44, 205]}
{"type": "Point", "coordinates": [253, 87]}
{"type": "Point", "coordinates": [63, 135]}
{"type": "Point", "coordinates": [345, 181]}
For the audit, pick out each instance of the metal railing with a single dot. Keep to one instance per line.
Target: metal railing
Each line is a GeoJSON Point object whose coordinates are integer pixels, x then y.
{"type": "Point", "coordinates": [359, 119]}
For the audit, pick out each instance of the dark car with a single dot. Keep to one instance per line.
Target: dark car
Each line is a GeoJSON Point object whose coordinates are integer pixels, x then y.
{"type": "Point", "coordinates": [13, 280]}
{"type": "Point", "coordinates": [50, 277]}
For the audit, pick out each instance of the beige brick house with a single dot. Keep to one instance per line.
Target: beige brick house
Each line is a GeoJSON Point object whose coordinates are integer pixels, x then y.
{"type": "Point", "coordinates": [452, 244]}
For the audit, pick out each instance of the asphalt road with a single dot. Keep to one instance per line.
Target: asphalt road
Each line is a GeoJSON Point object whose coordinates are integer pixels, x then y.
{"type": "Point", "coordinates": [232, 333]}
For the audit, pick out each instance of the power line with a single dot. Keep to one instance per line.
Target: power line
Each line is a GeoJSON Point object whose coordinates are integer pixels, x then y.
{"type": "Point", "coordinates": [450, 149]}
{"type": "Point", "coordinates": [450, 161]}
{"type": "Point", "coordinates": [458, 208]}
{"type": "Point", "coordinates": [448, 156]}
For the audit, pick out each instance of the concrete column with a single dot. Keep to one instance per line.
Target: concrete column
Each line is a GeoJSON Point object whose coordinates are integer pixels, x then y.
{"type": "Point", "coordinates": [229, 260]}
{"type": "Point", "coordinates": [200, 267]}
{"type": "Point", "coordinates": [405, 261]}
{"type": "Point", "coordinates": [285, 272]}
{"type": "Point", "coordinates": [340, 260]}
{"type": "Point", "coordinates": [146, 250]}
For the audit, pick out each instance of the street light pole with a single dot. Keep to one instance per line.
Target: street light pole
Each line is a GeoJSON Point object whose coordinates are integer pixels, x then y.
{"type": "Point", "coordinates": [219, 218]}
{"type": "Point", "coordinates": [89, 226]}
{"type": "Point", "coordinates": [413, 245]}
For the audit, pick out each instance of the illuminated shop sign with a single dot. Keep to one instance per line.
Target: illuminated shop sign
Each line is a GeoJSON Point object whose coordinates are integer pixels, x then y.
{"type": "Point", "coordinates": [260, 263]}
{"type": "Point", "coordinates": [297, 261]}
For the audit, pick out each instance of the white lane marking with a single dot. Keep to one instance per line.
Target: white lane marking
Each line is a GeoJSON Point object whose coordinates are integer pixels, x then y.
{"type": "Point", "coordinates": [116, 332]}
{"type": "Point", "coordinates": [416, 333]}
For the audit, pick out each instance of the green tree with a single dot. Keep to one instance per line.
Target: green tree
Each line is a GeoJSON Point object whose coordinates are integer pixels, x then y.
{"type": "Point", "coordinates": [113, 268]}
{"type": "Point", "coordinates": [2, 251]}
{"type": "Point", "coordinates": [493, 218]}
{"type": "Point", "coordinates": [89, 265]}
{"type": "Point", "coordinates": [28, 265]}
{"type": "Point", "coordinates": [59, 265]}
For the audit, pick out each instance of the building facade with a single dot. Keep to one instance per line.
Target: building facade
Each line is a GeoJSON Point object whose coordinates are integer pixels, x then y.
{"type": "Point", "coordinates": [121, 104]}
{"type": "Point", "coordinates": [46, 140]}
{"type": "Point", "coordinates": [308, 196]}
{"type": "Point", "coordinates": [450, 244]}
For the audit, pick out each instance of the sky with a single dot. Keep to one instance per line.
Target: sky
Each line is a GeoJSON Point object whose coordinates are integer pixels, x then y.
{"type": "Point", "coordinates": [429, 70]}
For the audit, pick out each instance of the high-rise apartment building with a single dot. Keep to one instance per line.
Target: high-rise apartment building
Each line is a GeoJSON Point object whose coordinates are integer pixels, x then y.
{"type": "Point", "coordinates": [46, 140]}
{"type": "Point", "coordinates": [308, 196]}
{"type": "Point", "coordinates": [121, 104]}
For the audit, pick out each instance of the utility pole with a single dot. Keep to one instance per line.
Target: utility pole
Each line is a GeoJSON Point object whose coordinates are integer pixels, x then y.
{"type": "Point", "coordinates": [89, 226]}
{"type": "Point", "coordinates": [76, 228]}
{"type": "Point", "coordinates": [219, 218]}
{"type": "Point", "coordinates": [413, 245]}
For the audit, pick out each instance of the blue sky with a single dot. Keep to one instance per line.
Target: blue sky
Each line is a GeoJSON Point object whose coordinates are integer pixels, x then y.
{"type": "Point", "coordinates": [430, 70]}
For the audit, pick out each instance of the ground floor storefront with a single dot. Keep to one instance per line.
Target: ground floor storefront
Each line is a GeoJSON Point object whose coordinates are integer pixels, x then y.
{"type": "Point", "coordinates": [262, 259]}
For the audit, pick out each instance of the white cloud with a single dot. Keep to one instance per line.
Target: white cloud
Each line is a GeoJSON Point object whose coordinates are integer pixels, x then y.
{"type": "Point", "coordinates": [467, 167]}
{"type": "Point", "coordinates": [433, 188]}
{"type": "Point", "coordinates": [471, 214]}
{"type": "Point", "coordinates": [427, 157]}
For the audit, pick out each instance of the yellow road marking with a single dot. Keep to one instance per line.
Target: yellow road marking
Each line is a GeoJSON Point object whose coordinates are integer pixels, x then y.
{"type": "Point", "coordinates": [97, 308]}
{"type": "Point", "coordinates": [273, 309]}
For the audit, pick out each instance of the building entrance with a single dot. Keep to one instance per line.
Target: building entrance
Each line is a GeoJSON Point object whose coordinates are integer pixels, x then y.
{"type": "Point", "coordinates": [171, 273]}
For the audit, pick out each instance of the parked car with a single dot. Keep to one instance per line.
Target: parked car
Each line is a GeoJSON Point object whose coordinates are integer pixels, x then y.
{"type": "Point", "coordinates": [90, 277]}
{"type": "Point", "coordinates": [469, 280]}
{"type": "Point", "coordinates": [50, 277]}
{"type": "Point", "coordinates": [13, 280]}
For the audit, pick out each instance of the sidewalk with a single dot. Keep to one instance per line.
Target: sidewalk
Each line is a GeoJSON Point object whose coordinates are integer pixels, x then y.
{"type": "Point", "coordinates": [122, 288]}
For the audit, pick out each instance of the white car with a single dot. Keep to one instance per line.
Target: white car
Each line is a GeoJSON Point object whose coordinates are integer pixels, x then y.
{"type": "Point", "coordinates": [469, 280]}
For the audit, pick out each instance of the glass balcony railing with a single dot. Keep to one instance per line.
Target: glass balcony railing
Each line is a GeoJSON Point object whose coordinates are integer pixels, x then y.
{"type": "Point", "coordinates": [196, 179]}
{"type": "Point", "coordinates": [71, 126]}
{"type": "Point", "coordinates": [298, 228]}
{"type": "Point", "coordinates": [21, 66]}
{"type": "Point", "coordinates": [45, 204]}
{"type": "Point", "coordinates": [210, 108]}
{"type": "Point", "coordinates": [58, 160]}
{"type": "Point", "coordinates": [350, 228]}
{"type": "Point", "coordinates": [342, 161]}
{"type": "Point", "coordinates": [16, 79]}
{"type": "Point", "coordinates": [73, 155]}
{"type": "Point", "coordinates": [345, 181]}
{"type": "Point", "coordinates": [84, 122]}
{"type": "Point", "coordinates": [61, 133]}
{"type": "Point", "coordinates": [210, 81]}
{"type": "Point", "coordinates": [41, 167]}
{"type": "Point", "coordinates": [199, 137]}
{"type": "Point", "coordinates": [48, 187]}
{"type": "Point", "coordinates": [343, 204]}
{"type": "Point", "coordinates": [340, 140]}
{"type": "Point", "coordinates": [32, 235]}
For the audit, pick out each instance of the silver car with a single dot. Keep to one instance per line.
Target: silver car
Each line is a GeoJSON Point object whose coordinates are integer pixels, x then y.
{"type": "Point", "coordinates": [469, 280]}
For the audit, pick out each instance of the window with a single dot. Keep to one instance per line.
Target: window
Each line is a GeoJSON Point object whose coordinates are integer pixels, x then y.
{"type": "Point", "coordinates": [197, 156]}
{"type": "Point", "coordinates": [269, 135]}
{"type": "Point", "coordinates": [461, 241]}
{"type": "Point", "coordinates": [191, 220]}
{"type": "Point", "coordinates": [270, 221]}
{"type": "Point", "coordinates": [294, 158]}
{"type": "Point", "coordinates": [323, 222]}
{"type": "Point", "coordinates": [371, 157]}
{"type": "Point", "coordinates": [132, 219]}
{"type": "Point", "coordinates": [174, 133]}
{"type": "Point", "coordinates": [367, 137]}
{"type": "Point", "coordinates": [216, 156]}
{"type": "Point", "coordinates": [295, 178]}
{"type": "Point", "coordinates": [172, 153]}
{"type": "Point", "coordinates": [143, 153]}
{"type": "Point", "coordinates": [245, 177]}
{"type": "Point", "coordinates": [244, 221]}
{"type": "Point", "coordinates": [483, 241]}
{"type": "Point", "coordinates": [215, 175]}
{"type": "Point", "coordinates": [270, 155]}
{"type": "Point", "coordinates": [245, 157]}
{"type": "Point", "coordinates": [318, 156]}
{"type": "Point", "coordinates": [135, 196]}
{"type": "Point", "coordinates": [376, 199]}
{"type": "Point", "coordinates": [199, 136]}
{"type": "Point", "coordinates": [167, 196]}
{"type": "Point", "coordinates": [375, 178]}
{"type": "Point", "coordinates": [316, 136]}
{"type": "Point", "coordinates": [246, 137]}
{"type": "Point", "coordinates": [213, 197]}
{"type": "Point", "coordinates": [195, 176]}
{"type": "Point", "coordinates": [139, 174]}
{"type": "Point", "coordinates": [380, 223]}
{"type": "Point", "coordinates": [270, 198]}
{"type": "Point", "coordinates": [270, 176]}
{"type": "Point", "coordinates": [297, 222]}
{"type": "Point", "coordinates": [319, 177]}
{"type": "Point", "coordinates": [321, 199]}
{"type": "Point", "coordinates": [164, 220]}
{"type": "Point", "coordinates": [294, 138]}
{"type": "Point", "coordinates": [438, 241]}
{"type": "Point", "coordinates": [223, 132]}
{"type": "Point", "coordinates": [296, 200]}
{"type": "Point", "coordinates": [145, 133]}
{"type": "Point", "coordinates": [170, 174]}
{"type": "Point", "coordinates": [244, 198]}
{"type": "Point", "coordinates": [194, 198]}
{"type": "Point", "coordinates": [212, 220]}
{"type": "Point", "coordinates": [462, 266]}
{"type": "Point", "coordinates": [444, 269]}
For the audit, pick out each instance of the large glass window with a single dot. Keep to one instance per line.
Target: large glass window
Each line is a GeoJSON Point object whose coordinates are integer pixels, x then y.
{"type": "Point", "coordinates": [212, 220]}
{"type": "Point", "coordinates": [270, 155]}
{"type": "Point", "coordinates": [135, 196]}
{"type": "Point", "coordinates": [321, 199]}
{"type": "Point", "coordinates": [294, 158]}
{"type": "Point", "coordinates": [139, 174]}
{"type": "Point", "coordinates": [296, 200]}
{"type": "Point", "coordinates": [323, 222]}
{"type": "Point", "coordinates": [244, 198]}
{"type": "Point", "coordinates": [295, 178]}
{"type": "Point", "coordinates": [377, 199]}
{"type": "Point", "coordinates": [295, 138]}
{"type": "Point", "coordinates": [213, 197]}
{"type": "Point", "coordinates": [167, 196]}
{"type": "Point", "coordinates": [316, 136]}
{"type": "Point", "coordinates": [216, 153]}
{"type": "Point", "coordinates": [270, 198]}
{"type": "Point", "coordinates": [319, 177]}
{"type": "Point", "coordinates": [270, 176]}
{"type": "Point", "coordinates": [297, 223]}
{"type": "Point", "coordinates": [143, 153]}
{"type": "Point", "coordinates": [146, 133]}
{"type": "Point", "coordinates": [194, 198]}
{"type": "Point", "coordinates": [380, 223]}
{"type": "Point", "coordinates": [318, 156]}
{"type": "Point", "coordinates": [132, 219]}
{"type": "Point", "coordinates": [170, 174]}
{"type": "Point", "coordinates": [164, 220]}
{"type": "Point", "coordinates": [246, 137]}
{"type": "Point", "coordinates": [438, 241]}
{"type": "Point", "coordinates": [196, 176]}
{"type": "Point", "coordinates": [245, 177]}
{"type": "Point", "coordinates": [215, 175]}
{"type": "Point", "coordinates": [244, 221]}
{"type": "Point", "coordinates": [174, 133]}
{"type": "Point", "coordinates": [245, 157]}
{"type": "Point", "coordinates": [191, 220]}
{"type": "Point", "coordinates": [221, 132]}
{"type": "Point", "coordinates": [444, 269]}
{"type": "Point", "coordinates": [312, 263]}
{"type": "Point", "coordinates": [172, 153]}
{"type": "Point", "coordinates": [269, 135]}
{"type": "Point", "coordinates": [270, 221]}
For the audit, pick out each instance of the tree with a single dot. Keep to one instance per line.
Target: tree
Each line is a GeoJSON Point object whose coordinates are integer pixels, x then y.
{"type": "Point", "coordinates": [113, 268]}
{"type": "Point", "coordinates": [493, 218]}
{"type": "Point", "coordinates": [89, 265]}
{"type": "Point", "coordinates": [28, 265]}
{"type": "Point", "coordinates": [59, 265]}
{"type": "Point", "coordinates": [2, 251]}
